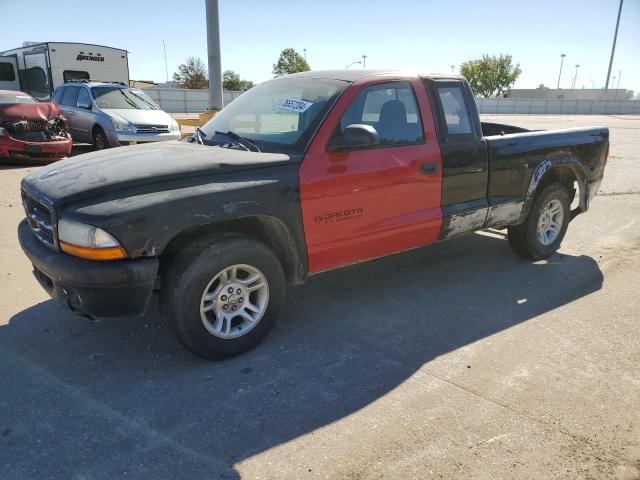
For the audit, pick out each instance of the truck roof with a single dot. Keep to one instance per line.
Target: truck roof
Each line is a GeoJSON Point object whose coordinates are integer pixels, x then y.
{"type": "Point", "coordinates": [350, 75]}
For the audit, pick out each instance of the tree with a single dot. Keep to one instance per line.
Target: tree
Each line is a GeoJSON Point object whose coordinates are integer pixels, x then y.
{"type": "Point", "coordinates": [192, 74]}
{"type": "Point", "coordinates": [290, 61]}
{"type": "Point", "coordinates": [489, 76]}
{"type": "Point", "coordinates": [232, 81]}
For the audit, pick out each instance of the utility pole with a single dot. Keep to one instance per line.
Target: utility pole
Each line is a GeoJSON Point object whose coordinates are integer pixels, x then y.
{"type": "Point", "coordinates": [166, 67]}
{"type": "Point", "coordinates": [562, 55]}
{"type": "Point", "coordinates": [613, 48]}
{"type": "Point", "coordinates": [213, 51]}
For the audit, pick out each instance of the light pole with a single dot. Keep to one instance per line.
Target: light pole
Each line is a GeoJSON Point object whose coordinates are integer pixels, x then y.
{"type": "Point", "coordinates": [452, 67]}
{"type": "Point", "coordinates": [305, 54]}
{"type": "Point", "coordinates": [562, 55]}
{"type": "Point", "coordinates": [613, 48]}
{"type": "Point", "coordinates": [364, 62]}
{"type": "Point", "coordinates": [592, 84]}
{"type": "Point", "coordinates": [213, 51]}
{"type": "Point", "coordinates": [352, 63]}
{"type": "Point", "coordinates": [575, 78]}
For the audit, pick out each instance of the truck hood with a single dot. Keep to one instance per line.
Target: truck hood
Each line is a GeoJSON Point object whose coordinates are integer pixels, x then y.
{"type": "Point", "coordinates": [108, 170]}
{"type": "Point", "coordinates": [14, 112]}
{"type": "Point", "coordinates": [140, 117]}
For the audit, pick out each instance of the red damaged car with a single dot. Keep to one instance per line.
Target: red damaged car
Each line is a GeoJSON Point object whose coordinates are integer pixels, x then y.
{"type": "Point", "coordinates": [31, 131]}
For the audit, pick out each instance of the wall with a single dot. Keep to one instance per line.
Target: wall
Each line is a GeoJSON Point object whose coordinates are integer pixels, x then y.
{"type": "Point", "coordinates": [571, 94]}
{"type": "Point", "coordinates": [181, 100]}
{"type": "Point", "coordinates": [532, 106]}
{"type": "Point", "coordinates": [177, 100]}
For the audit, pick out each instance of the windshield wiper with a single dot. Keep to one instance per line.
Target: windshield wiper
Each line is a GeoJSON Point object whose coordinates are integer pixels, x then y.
{"type": "Point", "coordinates": [129, 101]}
{"type": "Point", "coordinates": [243, 141]}
{"type": "Point", "coordinates": [200, 136]}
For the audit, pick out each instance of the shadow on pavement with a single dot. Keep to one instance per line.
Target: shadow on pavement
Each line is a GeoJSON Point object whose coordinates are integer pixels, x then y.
{"type": "Point", "coordinates": [101, 400]}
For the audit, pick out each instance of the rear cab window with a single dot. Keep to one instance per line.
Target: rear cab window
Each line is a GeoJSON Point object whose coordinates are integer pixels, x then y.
{"type": "Point", "coordinates": [456, 113]}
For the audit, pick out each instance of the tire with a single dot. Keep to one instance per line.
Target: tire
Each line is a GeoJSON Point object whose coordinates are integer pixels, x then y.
{"type": "Point", "coordinates": [99, 139]}
{"type": "Point", "coordinates": [525, 239]}
{"type": "Point", "coordinates": [196, 274]}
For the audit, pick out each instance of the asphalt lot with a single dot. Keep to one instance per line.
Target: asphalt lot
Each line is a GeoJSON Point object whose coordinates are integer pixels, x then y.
{"type": "Point", "coordinates": [458, 360]}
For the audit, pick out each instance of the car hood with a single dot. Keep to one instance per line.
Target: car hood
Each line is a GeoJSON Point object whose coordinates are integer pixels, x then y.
{"type": "Point", "coordinates": [108, 170]}
{"type": "Point", "coordinates": [139, 117]}
{"type": "Point", "coordinates": [13, 112]}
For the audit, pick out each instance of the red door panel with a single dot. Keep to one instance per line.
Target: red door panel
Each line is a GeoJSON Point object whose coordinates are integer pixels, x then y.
{"type": "Point", "coordinates": [364, 204]}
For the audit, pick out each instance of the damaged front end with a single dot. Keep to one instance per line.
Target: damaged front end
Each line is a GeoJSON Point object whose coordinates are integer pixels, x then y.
{"type": "Point", "coordinates": [33, 131]}
{"type": "Point", "coordinates": [37, 130]}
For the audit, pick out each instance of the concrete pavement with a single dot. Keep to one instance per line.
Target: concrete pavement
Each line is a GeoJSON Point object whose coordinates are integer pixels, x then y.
{"type": "Point", "coordinates": [459, 360]}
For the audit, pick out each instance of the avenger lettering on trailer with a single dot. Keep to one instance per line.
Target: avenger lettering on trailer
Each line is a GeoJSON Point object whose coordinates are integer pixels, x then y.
{"type": "Point", "coordinates": [91, 57]}
{"type": "Point", "coordinates": [323, 170]}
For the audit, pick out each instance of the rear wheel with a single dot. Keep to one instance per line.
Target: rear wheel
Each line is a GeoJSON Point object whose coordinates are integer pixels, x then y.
{"type": "Point", "coordinates": [222, 295]}
{"type": "Point", "coordinates": [99, 139]}
{"type": "Point", "coordinates": [544, 229]}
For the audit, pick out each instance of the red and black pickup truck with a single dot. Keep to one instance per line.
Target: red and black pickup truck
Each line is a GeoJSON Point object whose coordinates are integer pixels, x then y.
{"type": "Point", "coordinates": [299, 175]}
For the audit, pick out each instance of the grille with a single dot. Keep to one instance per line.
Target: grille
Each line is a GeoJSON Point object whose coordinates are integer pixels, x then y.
{"type": "Point", "coordinates": [40, 220]}
{"type": "Point", "coordinates": [23, 127]}
{"type": "Point", "coordinates": [152, 128]}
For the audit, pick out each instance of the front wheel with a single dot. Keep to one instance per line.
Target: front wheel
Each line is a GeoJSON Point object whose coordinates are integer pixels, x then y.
{"type": "Point", "coordinates": [99, 139]}
{"type": "Point", "coordinates": [222, 295]}
{"type": "Point", "coordinates": [544, 229]}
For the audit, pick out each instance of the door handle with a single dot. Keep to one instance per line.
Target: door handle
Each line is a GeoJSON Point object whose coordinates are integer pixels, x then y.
{"type": "Point", "coordinates": [429, 168]}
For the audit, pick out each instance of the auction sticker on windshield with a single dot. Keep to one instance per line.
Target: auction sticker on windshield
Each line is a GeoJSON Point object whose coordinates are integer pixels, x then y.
{"type": "Point", "coordinates": [293, 105]}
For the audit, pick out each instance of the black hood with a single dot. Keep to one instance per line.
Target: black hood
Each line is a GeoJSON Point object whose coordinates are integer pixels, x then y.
{"type": "Point", "coordinates": [108, 170]}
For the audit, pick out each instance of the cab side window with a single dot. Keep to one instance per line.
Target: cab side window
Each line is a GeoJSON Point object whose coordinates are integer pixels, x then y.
{"type": "Point", "coordinates": [70, 96]}
{"type": "Point", "coordinates": [456, 113]}
{"type": "Point", "coordinates": [83, 97]}
{"type": "Point", "coordinates": [391, 109]}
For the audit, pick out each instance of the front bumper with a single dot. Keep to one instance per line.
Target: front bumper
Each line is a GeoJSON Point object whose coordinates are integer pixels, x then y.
{"type": "Point", "coordinates": [126, 138]}
{"type": "Point", "coordinates": [91, 288]}
{"type": "Point", "coordinates": [18, 150]}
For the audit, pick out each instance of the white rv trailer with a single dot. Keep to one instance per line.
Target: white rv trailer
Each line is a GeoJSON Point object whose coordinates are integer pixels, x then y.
{"type": "Point", "coordinates": [38, 68]}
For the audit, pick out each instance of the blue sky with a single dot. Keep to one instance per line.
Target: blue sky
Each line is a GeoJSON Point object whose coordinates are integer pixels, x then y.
{"type": "Point", "coordinates": [411, 34]}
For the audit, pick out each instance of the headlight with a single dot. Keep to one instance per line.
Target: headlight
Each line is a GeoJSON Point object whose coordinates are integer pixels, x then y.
{"type": "Point", "coordinates": [121, 126]}
{"type": "Point", "coordinates": [87, 241]}
{"type": "Point", "coordinates": [175, 127]}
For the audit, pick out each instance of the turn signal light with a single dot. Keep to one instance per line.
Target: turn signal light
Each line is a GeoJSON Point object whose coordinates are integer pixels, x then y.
{"type": "Point", "coordinates": [88, 253]}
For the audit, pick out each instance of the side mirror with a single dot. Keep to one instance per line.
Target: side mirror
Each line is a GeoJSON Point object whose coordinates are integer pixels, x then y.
{"type": "Point", "coordinates": [354, 137]}
{"type": "Point", "coordinates": [84, 104]}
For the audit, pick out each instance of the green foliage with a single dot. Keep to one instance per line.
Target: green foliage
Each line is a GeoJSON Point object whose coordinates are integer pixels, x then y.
{"type": "Point", "coordinates": [290, 61]}
{"type": "Point", "coordinates": [232, 81]}
{"type": "Point", "coordinates": [490, 76]}
{"type": "Point", "coordinates": [192, 74]}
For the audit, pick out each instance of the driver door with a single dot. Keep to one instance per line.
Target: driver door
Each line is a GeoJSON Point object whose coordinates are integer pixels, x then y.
{"type": "Point", "coordinates": [365, 203]}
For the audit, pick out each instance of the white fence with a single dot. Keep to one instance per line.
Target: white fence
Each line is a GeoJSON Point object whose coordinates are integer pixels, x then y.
{"type": "Point", "coordinates": [535, 106]}
{"type": "Point", "coordinates": [183, 100]}
{"type": "Point", "coordinates": [180, 100]}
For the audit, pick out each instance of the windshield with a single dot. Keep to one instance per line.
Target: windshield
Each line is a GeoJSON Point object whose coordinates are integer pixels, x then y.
{"type": "Point", "coordinates": [123, 98]}
{"type": "Point", "coordinates": [279, 115]}
{"type": "Point", "coordinates": [7, 98]}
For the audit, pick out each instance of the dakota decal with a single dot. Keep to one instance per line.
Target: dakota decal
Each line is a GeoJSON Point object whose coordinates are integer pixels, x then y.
{"type": "Point", "coordinates": [339, 216]}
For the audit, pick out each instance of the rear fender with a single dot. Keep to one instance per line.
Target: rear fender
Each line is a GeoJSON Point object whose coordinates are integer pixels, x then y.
{"type": "Point", "coordinates": [566, 170]}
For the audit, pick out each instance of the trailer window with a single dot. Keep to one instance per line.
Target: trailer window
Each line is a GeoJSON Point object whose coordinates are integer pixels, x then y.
{"type": "Point", "coordinates": [7, 73]}
{"type": "Point", "coordinates": [69, 75]}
